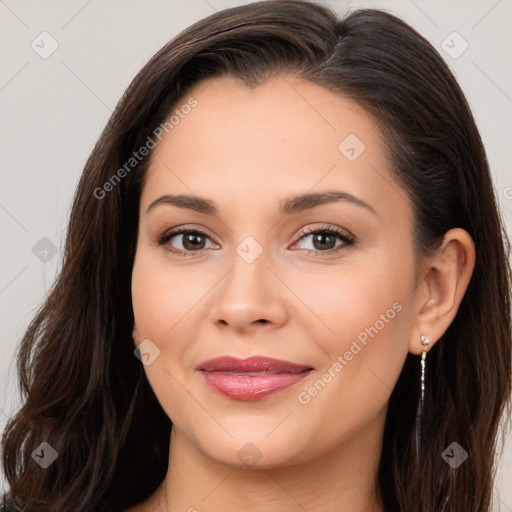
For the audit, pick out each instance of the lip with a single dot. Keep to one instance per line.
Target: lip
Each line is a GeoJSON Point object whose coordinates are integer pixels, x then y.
{"type": "Point", "coordinates": [253, 378]}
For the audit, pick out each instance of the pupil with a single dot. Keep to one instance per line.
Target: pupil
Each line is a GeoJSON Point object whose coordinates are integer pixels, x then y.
{"type": "Point", "coordinates": [190, 239]}
{"type": "Point", "coordinates": [321, 238]}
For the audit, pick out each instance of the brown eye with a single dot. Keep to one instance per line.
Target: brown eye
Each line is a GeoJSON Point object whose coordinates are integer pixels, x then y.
{"type": "Point", "coordinates": [192, 241]}
{"type": "Point", "coordinates": [187, 241]}
{"type": "Point", "coordinates": [323, 239]}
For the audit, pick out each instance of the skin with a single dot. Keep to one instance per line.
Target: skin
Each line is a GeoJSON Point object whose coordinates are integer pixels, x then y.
{"type": "Point", "coordinates": [246, 151]}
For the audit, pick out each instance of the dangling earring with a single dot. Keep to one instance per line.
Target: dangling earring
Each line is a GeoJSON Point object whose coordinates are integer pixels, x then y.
{"type": "Point", "coordinates": [419, 413]}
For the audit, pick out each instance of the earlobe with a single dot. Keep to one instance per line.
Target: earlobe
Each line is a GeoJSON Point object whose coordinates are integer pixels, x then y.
{"type": "Point", "coordinates": [447, 277]}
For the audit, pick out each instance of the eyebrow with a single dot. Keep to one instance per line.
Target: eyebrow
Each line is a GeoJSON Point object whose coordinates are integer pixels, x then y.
{"type": "Point", "coordinates": [287, 206]}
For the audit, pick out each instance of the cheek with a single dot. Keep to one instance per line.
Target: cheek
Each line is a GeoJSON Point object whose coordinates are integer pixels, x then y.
{"type": "Point", "coordinates": [162, 296]}
{"type": "Point", "coordinates": [346, 299]}
{"type": "Point", "coordinates": [364, 361]}
{"type": "Point", "coordinates": [162, 306]}
{"type": "Point", "coordinates": [369, 316]}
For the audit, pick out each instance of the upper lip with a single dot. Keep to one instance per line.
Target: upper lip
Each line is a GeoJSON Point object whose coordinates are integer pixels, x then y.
{"type": "Point", "coordinates": [251, 364]}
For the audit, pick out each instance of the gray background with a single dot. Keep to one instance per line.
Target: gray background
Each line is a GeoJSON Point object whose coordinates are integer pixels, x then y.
{"type": "Point", "coordinates": [53, 110]}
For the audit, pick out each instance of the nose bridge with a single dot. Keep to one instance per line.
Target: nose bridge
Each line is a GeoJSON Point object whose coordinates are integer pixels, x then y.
{"type": "Point", "coordinates": [249, 262]}
{"type": "Point", "coordinates": [246, 293]}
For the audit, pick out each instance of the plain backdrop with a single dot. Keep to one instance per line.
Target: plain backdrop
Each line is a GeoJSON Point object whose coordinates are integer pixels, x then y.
{"type": "Point", "coordinates": [64, 66]}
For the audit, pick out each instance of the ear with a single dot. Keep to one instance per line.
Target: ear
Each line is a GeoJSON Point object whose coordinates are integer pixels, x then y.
{"type": "Point", "coordinates": [445, 280]}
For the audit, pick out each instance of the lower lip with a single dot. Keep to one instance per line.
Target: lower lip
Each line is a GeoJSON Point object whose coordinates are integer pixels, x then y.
{"type": "Point", "coordinates": [247, 387]}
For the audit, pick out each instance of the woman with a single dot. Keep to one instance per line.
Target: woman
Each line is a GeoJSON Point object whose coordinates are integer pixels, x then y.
{"type": "Point", "coordinates": [270, 371]}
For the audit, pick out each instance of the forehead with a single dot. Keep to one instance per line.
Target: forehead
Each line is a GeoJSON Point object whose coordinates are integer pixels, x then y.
{"type": "Point", "coordinates": [285, 112]}
{"type": "Point", "coordinates": [285, 136]}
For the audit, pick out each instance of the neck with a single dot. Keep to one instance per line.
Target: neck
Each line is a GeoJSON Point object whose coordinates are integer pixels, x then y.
{"type": "Point", "coordinates": [345, 476]}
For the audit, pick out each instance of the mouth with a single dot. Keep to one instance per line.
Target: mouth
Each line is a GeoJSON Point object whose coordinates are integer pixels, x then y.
{"type": "Point", "coordinates": [254, 378]}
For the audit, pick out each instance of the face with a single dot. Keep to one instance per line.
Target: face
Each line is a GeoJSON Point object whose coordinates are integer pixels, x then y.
{"type": "Point", "coordinates": [325, 284]}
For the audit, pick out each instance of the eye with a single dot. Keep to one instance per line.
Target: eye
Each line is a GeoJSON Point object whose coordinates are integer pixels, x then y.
{"type": "Point", "coordinates": [324, 237]}
{"type": "Point", "coordinates": [191, 240]}
{"type": "Point", "coordinates": [194, 240]}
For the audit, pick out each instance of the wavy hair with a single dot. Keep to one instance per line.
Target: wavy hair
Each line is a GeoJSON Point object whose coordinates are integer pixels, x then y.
{"type": "Point", "coordinates": [86, 394]}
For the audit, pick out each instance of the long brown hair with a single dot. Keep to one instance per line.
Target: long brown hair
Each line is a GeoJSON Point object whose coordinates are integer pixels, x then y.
{"type": "Point", "coordinates": [85, 393]}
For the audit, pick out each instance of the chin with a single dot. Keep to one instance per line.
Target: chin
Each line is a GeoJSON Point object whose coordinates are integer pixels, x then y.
{"type": "Point", "coordinates": [256, 451]}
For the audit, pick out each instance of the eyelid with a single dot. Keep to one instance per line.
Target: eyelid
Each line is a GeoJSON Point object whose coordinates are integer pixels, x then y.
{"type": "Point", "coordinates": [179, 230]}
{"type": "Point", "coordinates": [343, 233]}
{"type": "Point", "coordinates": [347, 238]}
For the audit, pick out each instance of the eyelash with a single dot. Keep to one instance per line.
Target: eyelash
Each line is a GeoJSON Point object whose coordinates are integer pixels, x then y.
{"type": "Point", "coordinates": [331, 230]}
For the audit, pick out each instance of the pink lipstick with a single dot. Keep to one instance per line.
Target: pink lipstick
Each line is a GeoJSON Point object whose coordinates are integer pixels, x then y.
{"type": "Point", "coordinates": [253, 378]}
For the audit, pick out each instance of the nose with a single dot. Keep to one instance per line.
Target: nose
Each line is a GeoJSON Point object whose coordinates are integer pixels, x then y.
{"type": "Point", "coordinates": [250, 295]}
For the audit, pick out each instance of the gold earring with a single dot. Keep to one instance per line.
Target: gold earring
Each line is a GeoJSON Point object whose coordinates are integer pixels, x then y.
{"type": "Point", "coordinates": [419, 413]}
